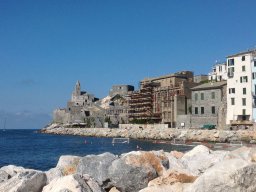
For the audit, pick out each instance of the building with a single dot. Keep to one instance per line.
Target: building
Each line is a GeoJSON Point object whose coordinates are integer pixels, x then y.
{"type": "Point", "coordinates": [209, 104]}
{"type": "Point", "coordinates": [82, 109]}
{"type": "Point", "coordinates": [141, 105]}
{"type": "Point", "coordinates": [162, 98]}
{"type": "Point", "coordinates": [200, 78]}
{"type": "Point", "coordinates": [241, 88]}
{"type": "Point", "coordinates": [219, 72]}
{"type": "Point", "coordinates": [120, 90]}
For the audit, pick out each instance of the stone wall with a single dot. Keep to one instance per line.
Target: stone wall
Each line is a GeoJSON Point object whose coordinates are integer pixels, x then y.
{"type": "Point", "coordinates": [143, 126]}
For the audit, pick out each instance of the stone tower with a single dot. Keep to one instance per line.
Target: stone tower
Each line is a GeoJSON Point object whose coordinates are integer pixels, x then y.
{"type": "Point", "coordinates": [77, 92]}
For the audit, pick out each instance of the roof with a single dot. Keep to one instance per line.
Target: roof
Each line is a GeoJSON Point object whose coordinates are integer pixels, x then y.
{"type": "Point", "coordinates": [211, 85]}
{"type": "Point", "coordinates": [180, 74]}
{"type": "Point", "coordinates": [242, 53]}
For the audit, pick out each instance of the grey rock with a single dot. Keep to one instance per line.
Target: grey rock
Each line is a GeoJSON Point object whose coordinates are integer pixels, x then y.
{"type": "Point", "coordinates": [26, 181]}
{"type": "Point", "coordinates": [4, 176]}
{"type": "Point", "coordinates": [73, 183]}
{"type": "Point", "coordinates": [96, 166]}
{"type": "Point", "coordinates": [129, 178]}
{"type": "Point", "coordinates": [234, 175]}
{"type": "Point", "coordinates": [13, 170]}
{"type": "Point", "coordinates": [53, 173]}
{"type": "Point", "coordinates": [200, 158]}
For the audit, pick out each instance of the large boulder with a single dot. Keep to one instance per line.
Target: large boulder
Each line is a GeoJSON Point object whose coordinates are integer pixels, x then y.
{"type": "Point", "coordinates": [128, 178]}
{"type": "Point", "coordinates": [200, 158]}
{"type": "Point", "coordinates": [245, 153]}
{"type": "Point", "coordinates": [230, 175]}
{"type": "Point", "coordinates": [66, 165]}
{"type": "Point", "coordinates": [73, 183]}
{"type": "Point", "coordinates": [132, 171]}
{"type": "Point", "coordinates": [25, 181]}
{"type": "Point", "coordinates": [154, 159]}
{"type": "Point", "coordinates": [96, 166]}
{"type": "Point", "coordinates": [173, 180]}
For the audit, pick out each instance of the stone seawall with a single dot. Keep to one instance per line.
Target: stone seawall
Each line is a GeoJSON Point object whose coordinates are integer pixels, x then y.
{"type": "Point", "coordinates": [159, 133]}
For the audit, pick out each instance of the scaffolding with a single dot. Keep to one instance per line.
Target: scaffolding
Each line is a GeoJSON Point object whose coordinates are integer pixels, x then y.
{"type": "Point", "coordinates": [141, 104]}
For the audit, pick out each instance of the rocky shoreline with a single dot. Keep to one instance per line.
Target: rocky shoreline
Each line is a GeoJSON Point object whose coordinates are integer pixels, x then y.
{"type": "Point", "coordinates": [197, 170]}
{"type": "Point", "coordinates": [188, 135]}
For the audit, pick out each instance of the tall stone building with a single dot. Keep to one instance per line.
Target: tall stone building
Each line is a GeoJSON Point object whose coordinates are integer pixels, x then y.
{"type": "Point", "coordinates": [162, 98]}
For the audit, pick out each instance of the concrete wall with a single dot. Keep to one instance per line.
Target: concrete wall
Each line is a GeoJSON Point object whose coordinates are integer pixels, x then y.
{"type": "Point", "coordinates": [191, 121]}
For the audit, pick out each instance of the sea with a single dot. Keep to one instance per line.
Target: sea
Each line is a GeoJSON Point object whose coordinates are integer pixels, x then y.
{"type": "Point", "coordinates": [31, 149]}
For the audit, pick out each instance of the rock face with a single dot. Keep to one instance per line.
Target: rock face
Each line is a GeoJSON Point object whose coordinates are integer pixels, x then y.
{"type": "Point", "coordinates": [201, 158]}
{"type": "Point", "coordinates": [25, 181]}
{"type": "Point", "coordinates": [4, 176]}
{"type": "Point", "coordinates": [230, 175]}
{"type": "Point", "coordinates": [96, 166]}
{"type": "Point", "coordinates": [66, 165]}
{"type": "Point", "coordinates": [73, 183]}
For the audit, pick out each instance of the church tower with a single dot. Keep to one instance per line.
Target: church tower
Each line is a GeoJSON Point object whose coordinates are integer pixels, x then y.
{"type": "Point", "coordinates": [77, 91]}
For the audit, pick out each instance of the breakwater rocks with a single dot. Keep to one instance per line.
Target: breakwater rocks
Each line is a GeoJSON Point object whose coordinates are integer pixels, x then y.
{"type": "Point", "coordinates": [198, 170]}
{"type": "Point", "coordinates": [199, 135]}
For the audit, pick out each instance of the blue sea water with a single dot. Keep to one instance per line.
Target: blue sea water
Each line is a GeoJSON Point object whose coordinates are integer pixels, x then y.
{"type": "Point", "coordinates": [34, 150]}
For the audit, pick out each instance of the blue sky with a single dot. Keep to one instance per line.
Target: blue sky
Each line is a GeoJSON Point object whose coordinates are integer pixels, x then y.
{"type": "Point", "coordinates": [46, 46]}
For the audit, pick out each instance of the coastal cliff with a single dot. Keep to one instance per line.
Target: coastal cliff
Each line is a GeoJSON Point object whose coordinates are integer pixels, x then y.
{"type": "Point", "coordinates": [199, 169]}
{"type": "Point", "coordinates": [188, 135]}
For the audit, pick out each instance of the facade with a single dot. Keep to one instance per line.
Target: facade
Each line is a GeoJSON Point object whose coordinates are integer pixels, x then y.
{"type": "Point", "coordinates": [241, 85]}
{"type": "Point", "coordinates": [141, 104]}
{"type": "Point", "coordinates": [209, 104]}
{"type": "Point", "coordinates": [117, 110]}
{"type": "Point", "coordinates": [219, 72]}
{"type": "Point", "coordinates": [200, 78]}
{"type": "Point", "coordinates": [121, 90]}
{"type": "Point", "coordinates": [162, 98]}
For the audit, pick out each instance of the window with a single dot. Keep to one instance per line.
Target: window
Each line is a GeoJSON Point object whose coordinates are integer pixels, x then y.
{"type": "Point", "coordinates": [244, 91]}
{"type": "Point", "coordinates": [243, 79]}
{"type": "Point", "coordinates": [244, 101]}
{"type": "Point", "coordinates": [231, 62]}
{"type": "Point", "coordinates": [231, 71]}
{"type": "Point", "coordinates": [202, 110]}
{"type": "Point", "coordinates": [243, 58]}
{"type": "Point", "coordinates": [232, 90]}
{"type": "Point", "coordinates": [196, 110]}
{"type": "Point", "coordinates": [220, 68]}
{"type": "Point", "coordinates": [202, 96]}
{"type": "Point", "coordinates": [244, 112]}
{"type": "Point", "coordinates": [232, 101]}
{"type": "Point", "coordinates": [243, 68]}
{"type": "Point", "coordinates": [254, 63]}
{"type": "Point", "coordinates": [213, 109]}
{"type": "Point", "coordinates": [196, 96]}
{"type": "Point", "coordinates": [213, 95]}
{"type": "Point", "coordinates": [254, 75]}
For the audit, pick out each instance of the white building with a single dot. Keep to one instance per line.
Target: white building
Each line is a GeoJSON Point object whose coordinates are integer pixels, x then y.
{"type": "Point", "coordinates": [219, 72]}
{"type": "Point", "coordinates": [241, 85]}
